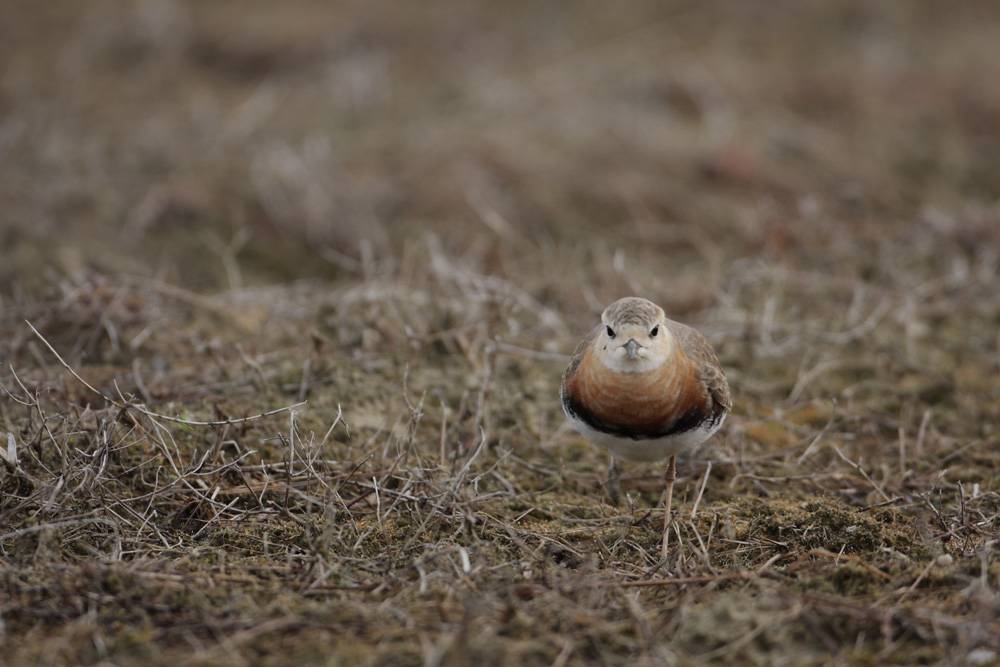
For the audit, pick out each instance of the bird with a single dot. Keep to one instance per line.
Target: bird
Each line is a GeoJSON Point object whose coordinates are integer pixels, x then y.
{"type": "Point", "coordinates": [646, 388]}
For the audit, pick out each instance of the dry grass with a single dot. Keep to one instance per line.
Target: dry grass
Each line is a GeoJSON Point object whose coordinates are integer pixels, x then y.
{"type": "Point", "coordinates": [407, 219]}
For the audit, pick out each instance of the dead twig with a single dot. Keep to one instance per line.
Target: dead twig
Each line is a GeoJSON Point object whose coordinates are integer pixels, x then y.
{"type": "Point", "coordinates": [127, 405]}
{"type": "Point", "coordinates": [848, 557]}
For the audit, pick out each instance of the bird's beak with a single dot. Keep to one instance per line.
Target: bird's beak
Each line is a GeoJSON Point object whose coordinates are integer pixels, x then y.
{"type": "Point", "coordinates": [631, 347]}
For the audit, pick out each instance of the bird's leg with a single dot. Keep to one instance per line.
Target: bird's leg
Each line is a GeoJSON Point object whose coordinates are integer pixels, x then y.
{"type": "Point", "coordinates": [668, 477]}
{"type": "Point", "coordinates": [614, 490]}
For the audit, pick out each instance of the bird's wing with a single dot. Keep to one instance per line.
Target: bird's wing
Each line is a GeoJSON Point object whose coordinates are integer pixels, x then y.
{"type": "Point", "coordinates": [699, 351]}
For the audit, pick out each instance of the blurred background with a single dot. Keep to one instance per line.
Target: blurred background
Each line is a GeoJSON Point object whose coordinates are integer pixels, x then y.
{"type": "Point", "coordinates": [407, 214]}
{"type": "Point", "coordinates": [640, 147]}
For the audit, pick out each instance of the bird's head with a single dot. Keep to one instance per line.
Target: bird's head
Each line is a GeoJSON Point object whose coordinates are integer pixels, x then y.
{"type": "Point", "coordinates": [635, 338]}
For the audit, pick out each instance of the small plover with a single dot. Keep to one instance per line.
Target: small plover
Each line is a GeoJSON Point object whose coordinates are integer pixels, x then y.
{"type": "Point", "coordinates": [645, 387]}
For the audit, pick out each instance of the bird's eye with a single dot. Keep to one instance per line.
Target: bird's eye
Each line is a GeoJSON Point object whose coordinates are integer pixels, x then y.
{"type": "Point", "coordinates": [654, 331]}
{"type": "Point", "coordinates": [611, 332]}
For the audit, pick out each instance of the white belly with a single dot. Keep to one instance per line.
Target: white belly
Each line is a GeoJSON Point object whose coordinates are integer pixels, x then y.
{"type": "Point", "coordinates": [645, 450]}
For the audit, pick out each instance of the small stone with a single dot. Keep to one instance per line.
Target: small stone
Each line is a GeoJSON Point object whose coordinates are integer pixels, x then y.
{"type": "Point", "coordinates": [981, 656]}
{"type": "Point", "coordinates": [944, 560]}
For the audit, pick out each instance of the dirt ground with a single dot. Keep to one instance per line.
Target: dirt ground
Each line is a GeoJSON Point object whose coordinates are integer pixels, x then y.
{"type": "Point", "coordinates": [286, 290]}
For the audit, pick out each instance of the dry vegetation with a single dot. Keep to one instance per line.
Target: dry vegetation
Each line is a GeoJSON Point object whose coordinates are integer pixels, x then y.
{"type": "Point", "coordinates": [321, 264]}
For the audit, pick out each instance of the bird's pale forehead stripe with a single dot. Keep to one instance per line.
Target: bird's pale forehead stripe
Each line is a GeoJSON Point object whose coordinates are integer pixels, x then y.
{"type": "Point", "coordinates": [632, 310]}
